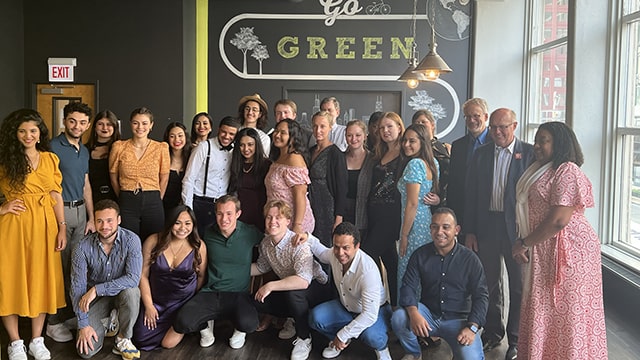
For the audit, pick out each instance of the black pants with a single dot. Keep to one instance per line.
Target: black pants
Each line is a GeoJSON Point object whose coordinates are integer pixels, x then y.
{"type": "Point", "coordinates": [205, 211]}
{"type": "Point", "coordinates": [380, 243]}
{"type": "Point", "coordinates": [204, 306]}
{"type": "Point", "coordinates": [142, 212]}
{"type": "Point", "coordinates": [493, 250]}
{"type": "Point", "coordinates": [296, 304]}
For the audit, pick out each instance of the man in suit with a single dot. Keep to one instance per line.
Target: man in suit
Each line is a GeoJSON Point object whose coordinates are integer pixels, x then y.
{"type": "Point", "coordinates": [490, 224]}
{"type": "Point", "coordinates": [476, 114]}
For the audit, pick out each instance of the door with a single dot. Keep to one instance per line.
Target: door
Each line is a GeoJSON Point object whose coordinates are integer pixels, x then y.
{"type": "Point", "coordinates": [49, 100]}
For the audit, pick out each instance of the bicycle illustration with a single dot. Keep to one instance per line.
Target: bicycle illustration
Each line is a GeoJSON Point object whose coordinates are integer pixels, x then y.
{"type": "Point", "coordinates": [378, 8]}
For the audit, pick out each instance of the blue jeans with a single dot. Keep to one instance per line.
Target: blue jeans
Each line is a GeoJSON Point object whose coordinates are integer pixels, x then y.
{"type": "Point", "coordinates": [446, 329]}
{"type": "Point", "coordinates": [329, 317]}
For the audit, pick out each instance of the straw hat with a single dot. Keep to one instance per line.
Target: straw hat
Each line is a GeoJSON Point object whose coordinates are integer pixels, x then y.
{"type": "Point", "coordinates": [254, 97]}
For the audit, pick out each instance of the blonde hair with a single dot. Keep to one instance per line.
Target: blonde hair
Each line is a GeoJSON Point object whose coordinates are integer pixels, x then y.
{"type": "Point", "coordinates": [284, 208]}
{"type": "Point", "coordinates": [382, 147]}
{"type": "Point", "coordinates": [326, 115]}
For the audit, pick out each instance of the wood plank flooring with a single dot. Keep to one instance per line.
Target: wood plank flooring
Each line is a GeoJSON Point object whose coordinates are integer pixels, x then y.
{"type": "Point", "coordinates": [623, 343]}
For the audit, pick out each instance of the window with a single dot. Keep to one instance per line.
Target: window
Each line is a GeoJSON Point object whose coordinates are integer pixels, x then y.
{"type": "Point", "coordinates": [626, 234]}
{"type": "Point", "coordinates": [546, 62]}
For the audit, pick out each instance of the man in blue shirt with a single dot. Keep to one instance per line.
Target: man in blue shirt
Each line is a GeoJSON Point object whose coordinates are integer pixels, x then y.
{"type": "Point", "coordinates": [454, 296]}
{"type": "Point", "coordinates": [76, 195]}
{"type": "Point", "coordinates": [105, 272]}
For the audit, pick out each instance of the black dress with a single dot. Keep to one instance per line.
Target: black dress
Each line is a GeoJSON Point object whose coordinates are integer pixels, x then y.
{"type": "Point", "coordinates": [384, 210]}
{"type": "Point", "coordinates": [99, 179]}
{"type": "Point", "coordinates": [252, 195]}
{"type": "Point", "coordinates": [173, 194]}
{"type": "Point", "coordinates": [328, 190]}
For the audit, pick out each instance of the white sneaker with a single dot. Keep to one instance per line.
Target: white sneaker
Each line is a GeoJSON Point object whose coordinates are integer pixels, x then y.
{"type": "Point", "coordinates": [17, 350]}
{"type": "Point", "coordinates": [126, 349]}
{"type": "Point", "coordinates": [301, 349]}
{"type": "Point", "coordinates": [114, 324]}
{"type": "Point", "coordinates": [330, 352]}
{"type": "Point", "coordinates": [59, 333]}
{"type": "Point", "coordinates": [288, 330]}
{"type": "Point", "coordinates": [383, 354]}
{"type": "Point", "coordinates": [206, 335]}
{"type": "Point", "coordinates": [237, 339]}
{"type": "Point", "coordinates": [38, 350]}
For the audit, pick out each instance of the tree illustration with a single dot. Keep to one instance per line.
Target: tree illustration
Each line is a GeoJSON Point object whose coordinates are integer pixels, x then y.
{"type": "Point", "coordinates": [260, 53]}
{"type": "Point", "coordinates": [422, 100]}
{"type": "Point", "coordinates": [245, 40]}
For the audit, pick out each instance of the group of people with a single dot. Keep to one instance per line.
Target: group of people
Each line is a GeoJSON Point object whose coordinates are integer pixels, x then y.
{"type": "Point", "coordinates": [358, 226]}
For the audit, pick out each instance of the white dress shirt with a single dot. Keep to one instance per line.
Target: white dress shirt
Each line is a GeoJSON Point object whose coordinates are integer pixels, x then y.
{"type": "Point", "coordinates": [360, 288]}
{"type": "Point", "coordinates": [337, 136]}
{"type": "Point", "coordinates": [501, 162]}
{"type": "Point", "coordinates": [219, 171]}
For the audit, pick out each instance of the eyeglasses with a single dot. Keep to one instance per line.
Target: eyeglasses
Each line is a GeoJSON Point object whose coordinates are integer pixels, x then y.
{"type": "Point", "coordinates": [250, 109]}
{"type": "Point", "coordinates": [474, 117]}
{"type": "Point", "coordinates": [499, 127]}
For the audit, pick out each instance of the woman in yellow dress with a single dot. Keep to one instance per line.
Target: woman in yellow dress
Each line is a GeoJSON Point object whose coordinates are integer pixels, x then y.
{"type": "Point", "coordinates": [33, 230]}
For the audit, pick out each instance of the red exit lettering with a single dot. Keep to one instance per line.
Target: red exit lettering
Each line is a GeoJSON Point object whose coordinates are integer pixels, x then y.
{"type": "Point", "coordinates": [60, 72]}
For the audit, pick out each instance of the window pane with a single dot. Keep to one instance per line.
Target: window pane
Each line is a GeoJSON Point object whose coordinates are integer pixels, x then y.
{"type": "Point", "coordinates": [630, 212]}
{"type": "Point", "coordinates": [631, 36]}
{"type": "Point", "coordinates": [549, 96]}
{"type": "Point", "coordinates": [631, 6]}
{"type": "Point", "coordinates": [550, 21]}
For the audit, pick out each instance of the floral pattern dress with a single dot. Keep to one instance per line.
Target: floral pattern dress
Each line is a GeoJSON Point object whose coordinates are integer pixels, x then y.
{"type": "Point", "coordinates": [562, 312]}
{"type": "Point", "coordinates": [415, 172]}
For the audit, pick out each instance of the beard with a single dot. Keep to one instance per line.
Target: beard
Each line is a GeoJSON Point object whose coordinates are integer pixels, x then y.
{"type": "Point", "coordinates": [111, 234]}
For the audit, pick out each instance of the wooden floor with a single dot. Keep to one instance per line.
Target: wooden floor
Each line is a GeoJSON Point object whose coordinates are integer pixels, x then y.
{"type": "Point", "coordinates": [623, 342]}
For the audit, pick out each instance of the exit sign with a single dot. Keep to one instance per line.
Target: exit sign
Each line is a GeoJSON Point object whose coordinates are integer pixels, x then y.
{"type": "Point", "coordinates": [61, 73]}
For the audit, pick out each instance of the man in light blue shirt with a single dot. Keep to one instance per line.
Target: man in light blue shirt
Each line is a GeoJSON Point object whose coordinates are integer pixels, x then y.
{"type": "Point", "coordinates": [105, 272]}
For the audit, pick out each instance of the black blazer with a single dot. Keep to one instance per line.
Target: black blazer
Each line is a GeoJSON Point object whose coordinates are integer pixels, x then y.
{"type": "Point", "coordinates": [480, 186]}
{"type": "Point", "coordinates": [458, 175]}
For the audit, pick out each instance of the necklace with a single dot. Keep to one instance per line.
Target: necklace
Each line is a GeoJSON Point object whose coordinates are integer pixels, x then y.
{"type": "Point", "coordinates": [175, 255]}
{"type": "Point", "coordinates": [246, 171]}
{"type": "Point", "coordinates": [33, 161]}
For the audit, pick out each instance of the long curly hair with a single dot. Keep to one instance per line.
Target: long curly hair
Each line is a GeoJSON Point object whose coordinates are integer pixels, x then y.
{"type": "Point", "coordinates": [14, 163]}
{"type": "Point", "coordinates": [260, 162]}
{"type": "Point", "coordinates": [164, 237]}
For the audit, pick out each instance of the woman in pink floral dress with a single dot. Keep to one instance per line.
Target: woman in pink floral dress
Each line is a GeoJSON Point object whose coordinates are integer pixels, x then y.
{"type": "Point", "coordinates": [562, 312]}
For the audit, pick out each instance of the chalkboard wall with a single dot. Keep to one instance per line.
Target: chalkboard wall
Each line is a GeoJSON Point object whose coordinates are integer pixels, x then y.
{"type": "Point", "coordinates": [357, 58]}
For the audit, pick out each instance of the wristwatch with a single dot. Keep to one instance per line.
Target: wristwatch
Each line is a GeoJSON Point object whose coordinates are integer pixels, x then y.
{"type": "Point", "coordinates": [473, 328]}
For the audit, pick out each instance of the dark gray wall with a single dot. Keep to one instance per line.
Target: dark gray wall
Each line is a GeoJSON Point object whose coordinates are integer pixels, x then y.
{"type": "Point", "coordinates": [132, 48]}
{"type": "Point", "coordinates": [225, 88]}
{"type": "Point", "coordinates": [12, 92]}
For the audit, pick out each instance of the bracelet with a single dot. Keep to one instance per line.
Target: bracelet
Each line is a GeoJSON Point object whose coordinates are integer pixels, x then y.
{"type": "Point", "coordinates": [524, 245]}
{"type": "Point", "coordinates": [62, 223]}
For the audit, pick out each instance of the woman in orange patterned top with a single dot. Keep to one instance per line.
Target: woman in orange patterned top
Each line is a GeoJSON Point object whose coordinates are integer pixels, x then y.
{"type": "Point", "coordinates": [139, 172]}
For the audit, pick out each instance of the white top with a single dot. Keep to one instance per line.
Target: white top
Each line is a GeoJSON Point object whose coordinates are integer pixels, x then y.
{"type": "Point", "coordinates": [337, 136]}
{"type": "Point", "coordinates": [501, 163]}
{"type": "Point", "coordinates": [360, 288]}
{"type": "Point", "coordinates": [265, 140]}
{"type": "Point", "coordinates": [219, 171]}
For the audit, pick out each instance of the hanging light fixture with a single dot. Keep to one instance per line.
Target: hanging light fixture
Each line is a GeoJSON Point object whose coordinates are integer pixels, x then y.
{"type": "Point", "coordinates": [432, 65]}
{"type": "Point", "coordinates": [410, 76]}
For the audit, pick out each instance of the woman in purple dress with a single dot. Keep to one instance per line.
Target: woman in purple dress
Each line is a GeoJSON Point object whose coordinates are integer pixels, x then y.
{"type": "Point", "coordinates": [174, 268]}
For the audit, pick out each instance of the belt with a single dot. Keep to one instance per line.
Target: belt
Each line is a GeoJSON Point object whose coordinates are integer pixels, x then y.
{"type": "Point", "coordinates": [74, 203]}
{"type": "Point", "coordinates": [205, 198]}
